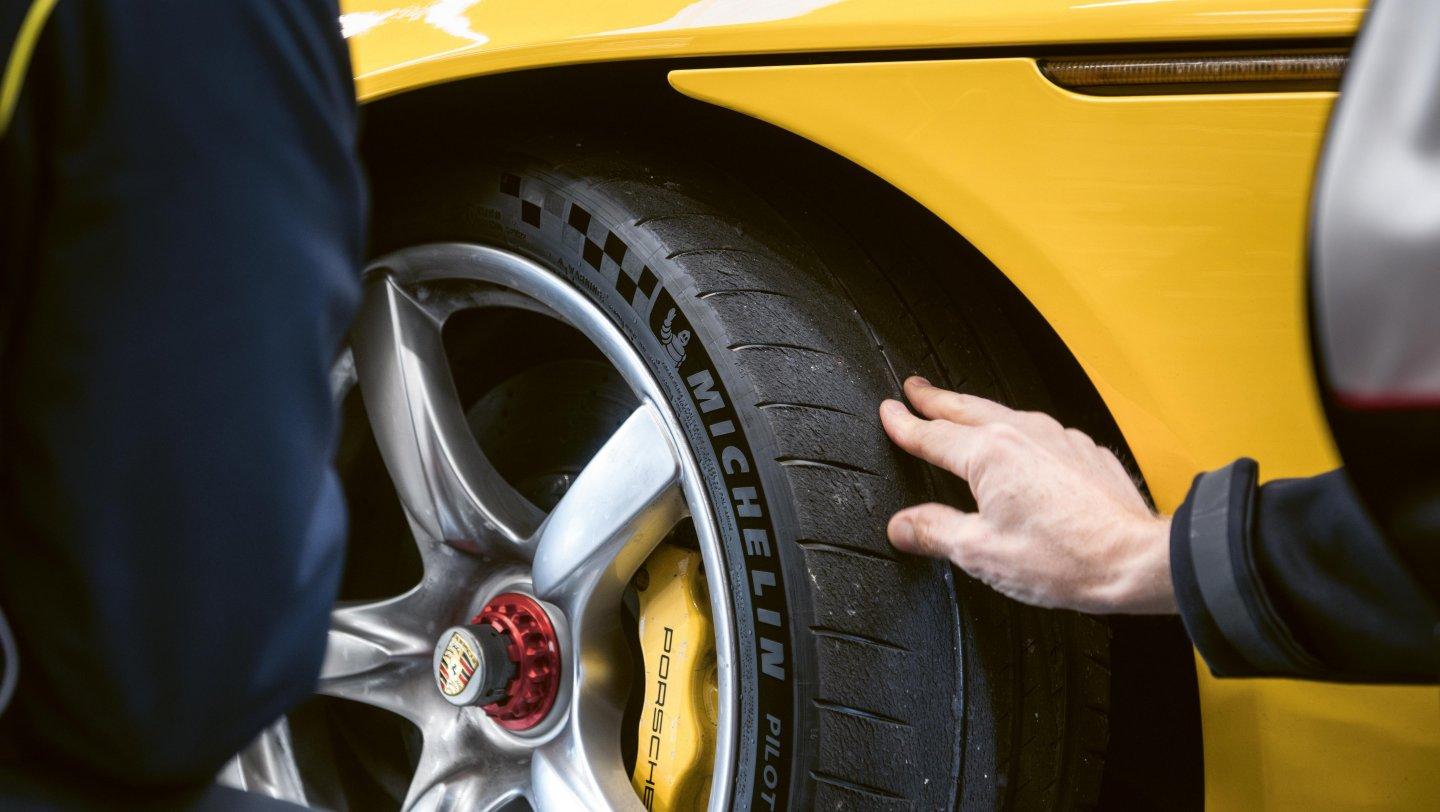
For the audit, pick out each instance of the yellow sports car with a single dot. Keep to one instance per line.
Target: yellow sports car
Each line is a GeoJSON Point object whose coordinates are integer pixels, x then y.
{"type": "Point", "coordinates": [645, 270]}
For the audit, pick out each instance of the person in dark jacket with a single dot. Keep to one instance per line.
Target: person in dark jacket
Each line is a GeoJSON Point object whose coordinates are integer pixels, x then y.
{"type": "Point", "coordinates": [1335, 577]}
{"type": "Point", "coordinates": [183, 217]}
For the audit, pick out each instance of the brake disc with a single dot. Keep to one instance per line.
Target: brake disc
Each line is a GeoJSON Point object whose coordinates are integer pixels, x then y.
{"type": "Point", "coordinates": [676, 741]}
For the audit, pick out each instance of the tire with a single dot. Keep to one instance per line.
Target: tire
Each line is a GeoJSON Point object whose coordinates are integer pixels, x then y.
{"type": "Point", "coordinates": [868, 680]}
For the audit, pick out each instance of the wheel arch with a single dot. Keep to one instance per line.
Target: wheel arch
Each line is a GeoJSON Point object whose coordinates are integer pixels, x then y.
{"type": "Point", "coordinates": [601, 100]}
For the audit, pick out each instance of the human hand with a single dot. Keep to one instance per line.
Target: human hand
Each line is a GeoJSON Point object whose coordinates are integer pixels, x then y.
{"type": "Point", "coordinates": [1060, 523]}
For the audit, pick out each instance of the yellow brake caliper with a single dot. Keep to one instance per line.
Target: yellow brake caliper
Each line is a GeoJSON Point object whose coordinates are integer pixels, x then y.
{"type": "Point", "coordinates": [677, 722]}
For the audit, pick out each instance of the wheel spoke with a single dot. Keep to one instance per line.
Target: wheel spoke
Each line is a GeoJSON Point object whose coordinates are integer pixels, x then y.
{"type": "Point", "coordinates": [404, 687]}
{"type": "Point", "coordinates": [444, 480]}
{"type": "Point", "coordinates": [465, 771]}
{"type": "Point", "coordinates": [583, 769]}
{"type": "Point", "coordinates": [365, 637]}
{"type": "Point", "coordinates": [621, 505]}
{"type": "Point", "coordinates": [625, 501]}
{"type": "Point", "coordinates": [380, 654]}
{"type": "Point", "coordinates": [267, 766]}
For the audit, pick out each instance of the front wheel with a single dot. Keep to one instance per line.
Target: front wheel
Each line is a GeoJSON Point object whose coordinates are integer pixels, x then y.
{"type": "Point", "coordinates": [641, 397]}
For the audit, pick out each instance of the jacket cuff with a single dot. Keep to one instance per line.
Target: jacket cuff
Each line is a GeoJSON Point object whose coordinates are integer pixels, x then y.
{"type": "Point", "coordinates": [1221, 598]}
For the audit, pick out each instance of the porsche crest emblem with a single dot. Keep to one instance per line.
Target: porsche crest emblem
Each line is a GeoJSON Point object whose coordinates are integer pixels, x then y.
{"type": "Point", "coordinates": [457, 665]}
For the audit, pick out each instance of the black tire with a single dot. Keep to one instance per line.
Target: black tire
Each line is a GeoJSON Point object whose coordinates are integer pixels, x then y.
{"type": "Point", "coordinates": [869, 680]}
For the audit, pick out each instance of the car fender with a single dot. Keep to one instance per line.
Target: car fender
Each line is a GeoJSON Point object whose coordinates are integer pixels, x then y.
{"type": "Point", "coordinates": [399, 45]}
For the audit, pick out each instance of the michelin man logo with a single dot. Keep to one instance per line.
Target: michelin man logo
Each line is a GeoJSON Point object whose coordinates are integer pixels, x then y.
{"type": "Point", "coordinates": [674, 342]}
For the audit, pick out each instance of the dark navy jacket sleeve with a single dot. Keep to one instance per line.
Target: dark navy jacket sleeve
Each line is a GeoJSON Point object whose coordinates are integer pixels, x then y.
{"type": "Point", "coordinates": [173, 529]}
{"type": "Point", "coordinates": [1292, 579]}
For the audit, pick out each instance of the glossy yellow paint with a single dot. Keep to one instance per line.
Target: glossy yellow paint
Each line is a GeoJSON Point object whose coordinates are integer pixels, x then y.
{"type": "Point", "coordinates": [676, 743]}
{"type": "Point", "coordinates": [403, 44]}
{"type": "Point", "coordinates": [1162, 237]}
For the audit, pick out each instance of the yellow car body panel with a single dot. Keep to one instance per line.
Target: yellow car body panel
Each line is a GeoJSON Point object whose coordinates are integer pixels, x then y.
{"type": "Point", "coordinates": [403, 44]}
{"type": "Point", "coordinates": [1161, 236]}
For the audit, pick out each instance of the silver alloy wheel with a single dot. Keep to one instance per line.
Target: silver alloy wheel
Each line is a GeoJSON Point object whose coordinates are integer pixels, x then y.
{"type": "Point", "coordinates": [478, 537]}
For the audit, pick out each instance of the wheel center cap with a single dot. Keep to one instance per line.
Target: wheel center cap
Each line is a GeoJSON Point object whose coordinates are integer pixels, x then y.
{"type": "Point", "coordinates": [506, 660]}
{"type": "Point", "coordinates": [472, 666]}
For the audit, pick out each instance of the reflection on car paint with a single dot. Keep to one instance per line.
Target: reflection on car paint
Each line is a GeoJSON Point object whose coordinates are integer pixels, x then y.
{"type": "Point", "coordinates": [709, 13]}
{"type": "Point", "coordinates": [445, 15]}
